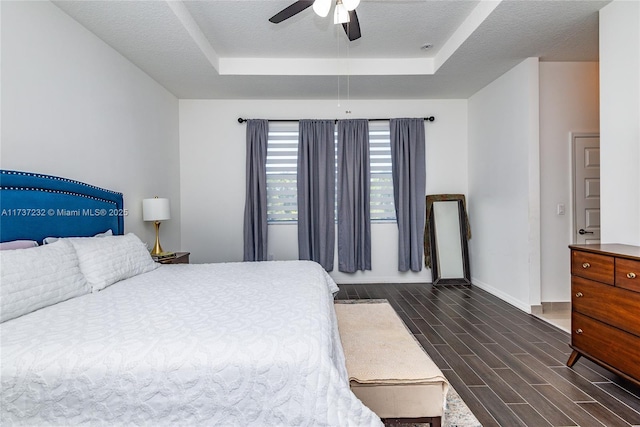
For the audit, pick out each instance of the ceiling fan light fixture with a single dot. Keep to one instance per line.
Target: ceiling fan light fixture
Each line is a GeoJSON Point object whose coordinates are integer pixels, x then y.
{"type": "Point", "coordinates": [341, 14]}
{"type": "Point", "coordinates": [322, 7]}
{"type": "Point", "coordinates": [351, 4]}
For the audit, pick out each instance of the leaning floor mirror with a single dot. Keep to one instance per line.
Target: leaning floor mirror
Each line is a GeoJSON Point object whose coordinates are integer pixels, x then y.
{"type": "Point", "coordinates": [446, 234]}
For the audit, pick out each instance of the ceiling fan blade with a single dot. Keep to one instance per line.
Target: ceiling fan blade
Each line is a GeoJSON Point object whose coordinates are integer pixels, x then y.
{"type": "Point", "coordinates": [291, 10]}
{"type": "Point", "coordinates": [352, 28]}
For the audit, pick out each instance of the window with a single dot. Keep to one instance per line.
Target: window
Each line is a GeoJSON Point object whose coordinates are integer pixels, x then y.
{"type": "Point", "coordinates": [282, 165]}
{"type": "Point", "coordinates": [382, 207]}
{"type": "Point", "coordinates": [282, 155]}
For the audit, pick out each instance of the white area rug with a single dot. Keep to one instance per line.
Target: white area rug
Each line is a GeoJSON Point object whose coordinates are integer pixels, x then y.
{"type": "Point", "coordinates": [457, 413]}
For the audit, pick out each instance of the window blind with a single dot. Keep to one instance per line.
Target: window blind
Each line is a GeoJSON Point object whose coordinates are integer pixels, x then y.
{"type": "Point", "coordinates": [282, 155]}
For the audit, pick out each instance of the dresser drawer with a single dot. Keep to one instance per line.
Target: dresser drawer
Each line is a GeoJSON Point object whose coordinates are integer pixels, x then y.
{"type": "Point", "coordinates": [592, 266]}
{"type": "Point", "coordinates": [598, 340]}
{"type": "Point", "coordinates": [611, 305]}
{"type": "Point", "coordinates": [628, 274]}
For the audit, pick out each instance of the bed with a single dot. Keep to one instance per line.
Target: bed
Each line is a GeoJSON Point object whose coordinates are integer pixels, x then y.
{"type": "Point", "coordinates": [138, 343]}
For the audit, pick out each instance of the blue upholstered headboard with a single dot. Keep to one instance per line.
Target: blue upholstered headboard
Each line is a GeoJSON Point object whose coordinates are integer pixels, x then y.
{"type": "Point", "coordinates": [35, 206]}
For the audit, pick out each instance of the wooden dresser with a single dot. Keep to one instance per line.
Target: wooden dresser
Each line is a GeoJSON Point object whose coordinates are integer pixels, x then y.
{"type": "Point", "coordinates": [605, 307]}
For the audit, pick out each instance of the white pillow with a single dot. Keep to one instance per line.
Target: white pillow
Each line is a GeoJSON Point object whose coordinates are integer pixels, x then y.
{"type": "Point", "coordinates": [38, 277]}
{"type": "Point", "coordinates": [48, 240]}
{"type": "Point", "coordinates": [109, 259]}
{"type": "Point", "coordinates": [18, 244]}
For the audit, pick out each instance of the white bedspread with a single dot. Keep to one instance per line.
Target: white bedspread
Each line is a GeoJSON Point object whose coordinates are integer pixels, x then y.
{"type": "Point", "coordinates": [241, 344]}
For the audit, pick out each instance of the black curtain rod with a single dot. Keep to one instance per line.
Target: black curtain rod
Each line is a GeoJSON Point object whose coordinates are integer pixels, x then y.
{"type": "Point", "coordinates": [241, 120]}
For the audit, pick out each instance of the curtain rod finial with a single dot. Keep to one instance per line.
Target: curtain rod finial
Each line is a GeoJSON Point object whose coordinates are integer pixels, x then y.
{"type": "Point", "coordinates": [241, 120]}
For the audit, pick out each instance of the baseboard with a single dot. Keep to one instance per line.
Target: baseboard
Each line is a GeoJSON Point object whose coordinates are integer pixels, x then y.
{"type": "Point", "coordinates": [555, 306]}
{"type": "Point", "coordinates": [379, 280]}
{"type": "Point", "coordinates": [537, 309]}
{"type": "Point", "coordinates": [503, 296]}
{"type": "Point", "coordinates": [367, 277]}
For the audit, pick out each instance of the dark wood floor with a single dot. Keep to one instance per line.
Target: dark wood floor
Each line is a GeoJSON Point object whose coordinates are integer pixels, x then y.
{"type": "Point", "coordinates": [508, 366]}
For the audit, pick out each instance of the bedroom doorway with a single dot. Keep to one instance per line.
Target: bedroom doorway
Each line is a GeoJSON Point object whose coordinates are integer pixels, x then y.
{"type": "Point", "coordinates": [586, 187]}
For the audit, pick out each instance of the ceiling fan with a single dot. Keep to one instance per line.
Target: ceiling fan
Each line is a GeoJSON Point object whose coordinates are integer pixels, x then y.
{"type": "Point", "coordinates": [344, 13]}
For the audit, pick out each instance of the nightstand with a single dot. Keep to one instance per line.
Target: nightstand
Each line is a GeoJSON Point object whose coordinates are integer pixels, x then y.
{"type": "Point", "coordinates": [180, 258]}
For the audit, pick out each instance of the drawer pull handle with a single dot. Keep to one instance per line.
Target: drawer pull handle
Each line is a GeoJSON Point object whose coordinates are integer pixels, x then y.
{"type": "Point", "coordinates": [631, 275]}
{"type": "Point", "coordinates": [579, 295]}
{"type": "Point", "coordinates": [586, 265]}
{"type": "Point", "coordinates": [579, 331]}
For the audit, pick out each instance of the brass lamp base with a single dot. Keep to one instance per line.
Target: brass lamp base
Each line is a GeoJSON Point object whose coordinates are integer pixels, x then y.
{"type": "Point", "coordinates": [157, 249]}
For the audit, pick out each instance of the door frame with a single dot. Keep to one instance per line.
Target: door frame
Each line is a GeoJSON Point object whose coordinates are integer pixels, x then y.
{"type": "Point", "coordinates": [573, 136]}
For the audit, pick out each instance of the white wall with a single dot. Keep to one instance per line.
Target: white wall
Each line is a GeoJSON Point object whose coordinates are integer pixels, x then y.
{"type": "Point", "coordinates": [504, 187]}
{"type": "Point", "coordinates": [212, 156]}
{"type": "Point", "coordinates": [569, 103]}
{"type": "Point", "coordinates": [620, 122]}
{"type": "Point", "coordinates": [73, 107]}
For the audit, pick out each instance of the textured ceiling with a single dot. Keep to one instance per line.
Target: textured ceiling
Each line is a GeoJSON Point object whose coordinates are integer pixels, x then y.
{"type": "Point", "coordinates": [228, 49]}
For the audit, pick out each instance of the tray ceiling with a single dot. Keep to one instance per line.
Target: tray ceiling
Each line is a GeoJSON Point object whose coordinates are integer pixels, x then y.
{"type": "Point", "coordinates": [229, 49]}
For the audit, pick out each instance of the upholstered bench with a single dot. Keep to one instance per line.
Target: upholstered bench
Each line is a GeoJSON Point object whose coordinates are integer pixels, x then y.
{"type": "Point", "coordinates": [388, 369]}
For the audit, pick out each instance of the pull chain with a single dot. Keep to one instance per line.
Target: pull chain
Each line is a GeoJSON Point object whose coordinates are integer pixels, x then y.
{"type": "Point", "coordinates": [338, 61]}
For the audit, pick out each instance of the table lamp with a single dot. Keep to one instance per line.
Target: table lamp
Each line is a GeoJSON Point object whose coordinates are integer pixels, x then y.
{"type": "Point", "coordinates": [156, 210]}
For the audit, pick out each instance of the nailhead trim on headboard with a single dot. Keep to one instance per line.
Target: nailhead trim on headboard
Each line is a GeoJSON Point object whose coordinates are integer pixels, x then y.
{"type": "Point", "coordinates": [57, 178]}
{"type": "Point", "coordinates": [3, 187]}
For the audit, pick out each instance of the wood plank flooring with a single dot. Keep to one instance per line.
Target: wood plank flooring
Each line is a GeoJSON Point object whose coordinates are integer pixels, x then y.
{"type": "Point", "coordinates": [508, 366]}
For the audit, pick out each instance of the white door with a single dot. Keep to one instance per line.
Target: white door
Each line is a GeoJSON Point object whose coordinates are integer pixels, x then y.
{"type": "Point", "coordinates": [586, 191]}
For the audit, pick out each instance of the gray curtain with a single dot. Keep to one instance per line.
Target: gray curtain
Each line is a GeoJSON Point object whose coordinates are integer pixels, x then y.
{"type": "Point", "coordinates": [354, 219]}
{"type": "Point", "coordinates": [409, 176]}
{"type": "Point", "coordinates": [316, 191]}
{"type": "Point", "coordinates": [255, 205]}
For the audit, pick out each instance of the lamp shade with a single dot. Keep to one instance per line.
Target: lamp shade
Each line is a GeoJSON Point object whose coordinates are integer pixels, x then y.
{"type": "Point", "coordinates": [155, 209]}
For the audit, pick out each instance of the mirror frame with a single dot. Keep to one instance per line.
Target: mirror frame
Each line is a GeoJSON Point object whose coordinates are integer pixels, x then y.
{"type": "Point", "coordinates": [464, 235]}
